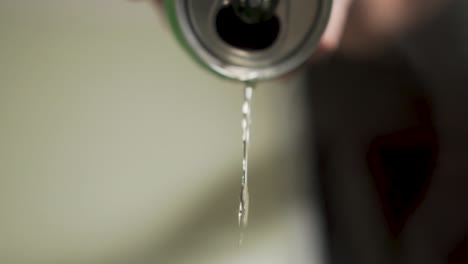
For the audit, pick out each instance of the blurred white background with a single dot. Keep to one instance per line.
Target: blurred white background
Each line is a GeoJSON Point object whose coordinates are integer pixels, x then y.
{"type": "Point", "coordinates": [116, 148]}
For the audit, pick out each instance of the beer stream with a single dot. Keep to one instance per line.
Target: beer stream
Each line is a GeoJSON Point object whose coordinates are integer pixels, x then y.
{"type": "Point", "coordinates": [244, 193]}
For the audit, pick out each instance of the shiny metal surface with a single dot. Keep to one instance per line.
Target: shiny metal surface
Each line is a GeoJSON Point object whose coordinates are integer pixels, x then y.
{"type": "Point", "coordinates": [302, 25]}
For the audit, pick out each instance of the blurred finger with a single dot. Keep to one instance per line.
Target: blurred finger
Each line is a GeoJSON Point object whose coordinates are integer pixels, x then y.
{"type": "Point", "coordinates": [333, 34]}
{"type": "Point", "coordinates": [160, 11]}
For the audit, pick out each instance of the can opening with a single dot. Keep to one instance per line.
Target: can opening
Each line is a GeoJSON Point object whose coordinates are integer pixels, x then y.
{"type": "Point", "coordinates": [253, 37]}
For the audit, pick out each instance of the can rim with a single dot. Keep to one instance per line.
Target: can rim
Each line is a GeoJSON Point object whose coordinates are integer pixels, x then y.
{"type": "Point", "coordinates": [177, 13]}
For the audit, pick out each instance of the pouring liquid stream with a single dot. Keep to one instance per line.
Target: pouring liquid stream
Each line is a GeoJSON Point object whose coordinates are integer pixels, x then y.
{"type": "Point", "coordinates": [244, 193]}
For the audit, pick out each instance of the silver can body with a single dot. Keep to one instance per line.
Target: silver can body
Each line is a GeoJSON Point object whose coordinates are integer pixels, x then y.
{"type": "Point", "coordinates": [251, 52]}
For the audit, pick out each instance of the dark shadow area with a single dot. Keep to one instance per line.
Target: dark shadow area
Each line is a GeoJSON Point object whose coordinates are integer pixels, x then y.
{"type": "Point", "coordinates": [241, 35]}
{"type": "Point", "coordinates": [374, 134]}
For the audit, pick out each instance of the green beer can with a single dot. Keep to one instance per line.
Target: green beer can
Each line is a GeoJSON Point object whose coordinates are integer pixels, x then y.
{"type": "Point", "coordinates": [249, 40]}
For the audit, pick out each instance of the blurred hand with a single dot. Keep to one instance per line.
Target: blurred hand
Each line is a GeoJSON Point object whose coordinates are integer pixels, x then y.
{"type": "Point", "coordinates": [360, 26]}
{"type": "Point", "coordinates": [368, 24]}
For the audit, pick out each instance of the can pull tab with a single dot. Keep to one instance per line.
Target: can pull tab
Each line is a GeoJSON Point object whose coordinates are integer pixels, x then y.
{"type": "Point", "coordinates": [255, 11]}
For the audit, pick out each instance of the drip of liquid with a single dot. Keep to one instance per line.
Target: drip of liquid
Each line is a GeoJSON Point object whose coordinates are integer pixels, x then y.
{"type": "Point", "coordinates": [244, 194]}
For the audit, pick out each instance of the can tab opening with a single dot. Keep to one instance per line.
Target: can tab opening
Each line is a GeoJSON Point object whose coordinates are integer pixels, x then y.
{"type": "Point", "coordinates": [248, 27]}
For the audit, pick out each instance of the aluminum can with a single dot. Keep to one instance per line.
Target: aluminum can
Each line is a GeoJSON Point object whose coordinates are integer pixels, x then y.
{"type": "Point", "coordinates": [219, 39]}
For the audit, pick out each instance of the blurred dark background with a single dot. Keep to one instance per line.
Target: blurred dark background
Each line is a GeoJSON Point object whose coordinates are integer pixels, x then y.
{"type": "Point", "coordinates": [390, 131]}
